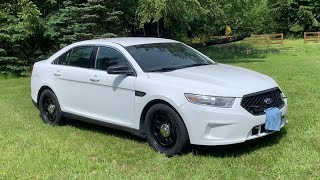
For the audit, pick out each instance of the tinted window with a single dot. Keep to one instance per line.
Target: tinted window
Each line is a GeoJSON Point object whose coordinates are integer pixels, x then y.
{"type": "Point", "coordinates": [152, 57]}
{"type": "Point", "coordinates": [63, 59]}
{"type": "Point", "coordinates": [109, 57]}
{"type": "Point", "coordinates": [81, 57]}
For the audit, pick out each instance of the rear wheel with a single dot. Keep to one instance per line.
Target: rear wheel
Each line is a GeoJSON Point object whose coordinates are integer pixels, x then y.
{"type": "Point", "coordinates": [165, 130]}
{"type": "Point", "coordinates": [49, 107]}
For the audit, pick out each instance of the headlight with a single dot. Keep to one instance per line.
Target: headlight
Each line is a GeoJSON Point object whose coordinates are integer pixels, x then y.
{"type": "Point", "coordinates": [224, 102]}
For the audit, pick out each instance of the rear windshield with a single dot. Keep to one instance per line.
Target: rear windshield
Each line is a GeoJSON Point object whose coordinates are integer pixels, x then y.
{"type": "Point", "coordinates": [153, 57]}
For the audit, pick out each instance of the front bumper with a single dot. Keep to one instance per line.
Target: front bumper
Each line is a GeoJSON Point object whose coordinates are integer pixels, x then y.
{"type": "Point", "coordinates": [222, 126]}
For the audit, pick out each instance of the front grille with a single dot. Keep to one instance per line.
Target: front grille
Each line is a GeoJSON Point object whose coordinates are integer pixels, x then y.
{"type": "Point", "coordinates": [256, 103]}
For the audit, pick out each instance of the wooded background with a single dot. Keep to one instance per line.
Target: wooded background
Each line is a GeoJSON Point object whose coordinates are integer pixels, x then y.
{"type": "Point", "coordinates": [32, 30]}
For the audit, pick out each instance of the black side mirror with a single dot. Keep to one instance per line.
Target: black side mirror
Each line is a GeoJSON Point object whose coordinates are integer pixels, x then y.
{"type": "Point", "coordinates": [120, 69]}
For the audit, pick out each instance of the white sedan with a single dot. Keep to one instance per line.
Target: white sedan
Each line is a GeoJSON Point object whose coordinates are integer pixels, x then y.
{"type": "Point", "coordinates": [158, 88]}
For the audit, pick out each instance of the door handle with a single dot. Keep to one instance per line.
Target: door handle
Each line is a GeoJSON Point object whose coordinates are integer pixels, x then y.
{"type": "Point", "coordinates": [94, 78]}
{"type": "Point", "coordinates": [57, 73]}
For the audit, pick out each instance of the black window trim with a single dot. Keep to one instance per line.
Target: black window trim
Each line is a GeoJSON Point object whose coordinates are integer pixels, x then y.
{"type": "Point", "coordinates": [106, 46]}
{"type": "Point", "coordinates": [95, 57]}
{"type": "Point", "coordinates": [92, 57]}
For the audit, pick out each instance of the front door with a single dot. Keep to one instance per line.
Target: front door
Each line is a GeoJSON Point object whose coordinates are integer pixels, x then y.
{"type": "Point", "coordinates": [110, 96]}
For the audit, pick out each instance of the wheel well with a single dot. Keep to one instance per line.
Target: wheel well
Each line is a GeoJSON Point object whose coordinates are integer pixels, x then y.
{"type": "Point", "coordinates": [40, 92]}
{"type": "Point", "coordinates": [148, 106]}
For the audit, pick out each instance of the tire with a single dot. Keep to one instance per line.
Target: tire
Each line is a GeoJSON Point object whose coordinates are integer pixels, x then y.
{"type": "Point", "coordinates": [165, 130]}
{"type": "Point", "coordinates": [49, 107]}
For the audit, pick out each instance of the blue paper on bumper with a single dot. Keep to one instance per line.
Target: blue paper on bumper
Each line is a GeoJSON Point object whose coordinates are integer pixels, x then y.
{"type": "Point", "coordinates": [273, 119]}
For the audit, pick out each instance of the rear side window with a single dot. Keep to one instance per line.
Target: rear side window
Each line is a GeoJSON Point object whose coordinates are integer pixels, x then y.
{"type": "Point", "coordinates": [63, 59]}
{"type": "Point", "coordinates": [109, 57]}
{"type": "Point", "coordinates": [81, 57]}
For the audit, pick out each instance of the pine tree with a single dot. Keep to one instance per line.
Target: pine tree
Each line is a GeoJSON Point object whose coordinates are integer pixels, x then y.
{"type": "Point", "coordinates": [19, 22]}
{"type": "Point", "coordinates": [75, 22]}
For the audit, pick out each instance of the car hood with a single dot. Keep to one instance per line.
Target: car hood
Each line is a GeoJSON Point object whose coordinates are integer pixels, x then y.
{"type": "Point", "coordinates": [216, 80]}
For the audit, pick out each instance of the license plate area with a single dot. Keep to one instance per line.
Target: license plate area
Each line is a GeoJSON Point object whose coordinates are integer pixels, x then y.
{"type": "Point", "coordinates": [257, 130]}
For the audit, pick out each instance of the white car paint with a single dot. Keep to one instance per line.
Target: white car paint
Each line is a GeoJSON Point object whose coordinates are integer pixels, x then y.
{"type": "Point", "coordinates": [112, 99]}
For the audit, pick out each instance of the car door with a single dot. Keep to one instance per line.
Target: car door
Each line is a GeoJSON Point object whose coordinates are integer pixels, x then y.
{"type": "Point", "coordinates": [111, 96]}
{"type": "Point", "coordinates": [73, 72]}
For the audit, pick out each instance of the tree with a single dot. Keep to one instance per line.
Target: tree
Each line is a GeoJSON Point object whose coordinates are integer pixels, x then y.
{"type": "Point", "coordinates": [30, 29]}
{"type": "Point", "coordinates": [74, 22]}
{"type": "Point", "coordinates": [307, 16]}
{"type": "Point", "coordinates": [294, 16]}
{"type": "Point", "coordinates": [20, 23]}
{"type": "Point", "coordinates": [193, 18]}
{"type": "Point", "coordinates": [178, 14]}
{"type": "Point", "coordinates": [221, 41]}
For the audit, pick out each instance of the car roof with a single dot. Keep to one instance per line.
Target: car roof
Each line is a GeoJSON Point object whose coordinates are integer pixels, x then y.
{"type": "Point", "coordinates": [130, 41]}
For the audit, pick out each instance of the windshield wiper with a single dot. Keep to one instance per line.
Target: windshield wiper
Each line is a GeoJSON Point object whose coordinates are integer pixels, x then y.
{"type": "Point", "coordinates": [194, 65]}
{"type": "Point", "coordinates": [166, 69]}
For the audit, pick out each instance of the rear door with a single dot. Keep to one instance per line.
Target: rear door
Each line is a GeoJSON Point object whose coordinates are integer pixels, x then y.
{"type": "Point", "coordinates": [73, 72]}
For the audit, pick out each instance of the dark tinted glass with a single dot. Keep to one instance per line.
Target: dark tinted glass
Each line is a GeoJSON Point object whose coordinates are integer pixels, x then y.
{"type": "Point", "coordinates": [81, 57]}
{"type": "Point", "coordinates": [152, 57]}
{"type": "Point", "coordinates": [109, 57]}
{"type": "Point", "coordinates": [63, 59]}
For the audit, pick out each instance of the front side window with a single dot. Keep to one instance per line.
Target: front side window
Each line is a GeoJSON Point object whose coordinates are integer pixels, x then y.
{"type": "Point", "coordinates": [109, 57]}
{"type": "Point", "coordinates": [170, 56]}
{"type": "Point", "coordinates": [81, 57]}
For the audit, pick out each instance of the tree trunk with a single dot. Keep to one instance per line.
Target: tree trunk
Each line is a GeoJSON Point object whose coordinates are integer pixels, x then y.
{"type": "Point", "coordinates": [221, 41]}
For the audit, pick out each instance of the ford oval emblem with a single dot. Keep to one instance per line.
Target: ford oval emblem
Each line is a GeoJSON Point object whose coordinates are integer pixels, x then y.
{"type": "Point", "coordinates": [268, 101]}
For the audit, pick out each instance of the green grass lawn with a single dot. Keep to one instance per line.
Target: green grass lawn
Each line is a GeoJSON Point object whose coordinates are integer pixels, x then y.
{"type": "Point", "coordinates": [30, 149]}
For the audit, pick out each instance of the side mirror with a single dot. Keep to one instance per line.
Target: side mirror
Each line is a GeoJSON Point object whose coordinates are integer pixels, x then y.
{"type": "Point", "coordinates": [120, 69]}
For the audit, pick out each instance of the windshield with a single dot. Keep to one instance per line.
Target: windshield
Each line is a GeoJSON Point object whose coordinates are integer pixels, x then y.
{"type": "Point", "coordinates": [166, 56]}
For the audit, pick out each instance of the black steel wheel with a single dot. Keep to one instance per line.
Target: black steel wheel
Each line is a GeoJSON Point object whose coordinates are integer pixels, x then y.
{"type": "Point", "coordinates": [165, 130]}
{"type": "Point", "coordinates": [49, 107]}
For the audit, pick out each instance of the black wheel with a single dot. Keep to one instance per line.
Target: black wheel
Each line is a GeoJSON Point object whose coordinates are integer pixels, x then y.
{"type": "Point", "coordinates": [49, 107]}
{"type": "Point", "coordinates": [165, 130]}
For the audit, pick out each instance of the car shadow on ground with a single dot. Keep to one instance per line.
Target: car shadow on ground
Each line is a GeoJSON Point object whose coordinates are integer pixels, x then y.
{"type": "Point", "coordinates": [104, 130]}
{"type": "Point", "coordinates": [235, 150]}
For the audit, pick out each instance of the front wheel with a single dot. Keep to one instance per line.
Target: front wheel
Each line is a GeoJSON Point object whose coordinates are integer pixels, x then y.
{"type": "Point", "coordinates": [49, 107]}
{"type": "Point", "coordinates": [165, 130]}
